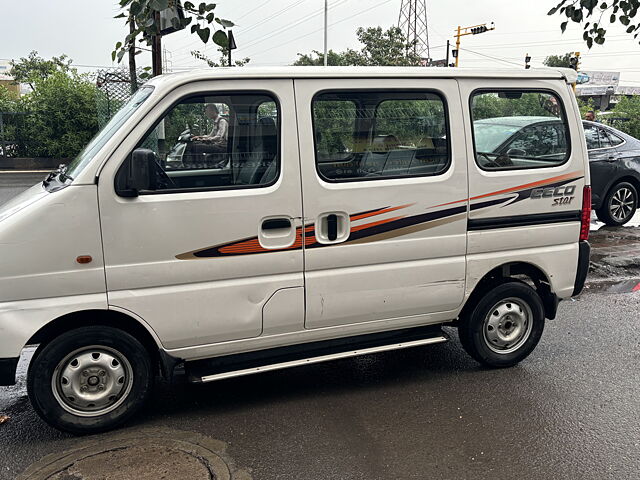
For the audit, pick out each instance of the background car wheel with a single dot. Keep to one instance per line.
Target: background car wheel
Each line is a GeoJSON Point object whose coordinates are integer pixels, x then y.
{"type": "Point", "coordinates": [619, 205]}
{"type": "Point", "coordinates": [89, 379]}
{"type": "Point", "coordinates": [505, 326]}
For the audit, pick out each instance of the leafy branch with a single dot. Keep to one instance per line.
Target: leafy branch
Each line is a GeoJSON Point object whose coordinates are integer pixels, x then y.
{"type": "Point", "coordinates": [144, 15]}
{"type": "Point", "coordinates": [618, 11]}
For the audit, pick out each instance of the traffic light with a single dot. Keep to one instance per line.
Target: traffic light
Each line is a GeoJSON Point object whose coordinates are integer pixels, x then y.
{"type": "Point", "coordinates": [480, 29]}
{"type": "Point", "coordinates": [454, 53]}
{"type": "Point", "coordinates": [574, 62]}
{"type": "Point", "coordinates": [527, 59]}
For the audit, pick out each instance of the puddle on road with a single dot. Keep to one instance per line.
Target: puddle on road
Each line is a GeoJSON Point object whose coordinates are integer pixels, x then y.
{"type": "Point", "coordinates": [630, 285]}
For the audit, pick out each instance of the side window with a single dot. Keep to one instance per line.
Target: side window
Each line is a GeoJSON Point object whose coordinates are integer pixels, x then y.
{"type": "Point", "coordinates": [519, 129]}
{"type": "Point", "coordinates": [371, 135]}
{"type": "Point", "coordinates": [615, 140]}
{"type": "Point", "coordinates": [591, 136]}
{"type": "Point", "coordinates": [216, 141]}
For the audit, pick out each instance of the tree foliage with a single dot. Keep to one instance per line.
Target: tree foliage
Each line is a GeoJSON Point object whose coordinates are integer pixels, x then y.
{"type": "Point", "coordinates": [145, 17]}
{"type": "Point", "coordinates": [559, 60]}
{"type": "Point", "coordinates": [33, 68]}
{"type": "Point", "coordinates": [223, 61]}
{"type": "Point", "coordinates": [380, 47]}
{"type": "Point", "coordinates": [629, 109]}
{"type": "Point", "coordinates": [57, 119]}
{"type": "Point", "coordinates": [592, 15]}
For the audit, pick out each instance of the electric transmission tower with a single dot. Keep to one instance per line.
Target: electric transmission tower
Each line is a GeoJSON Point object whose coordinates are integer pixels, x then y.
{"type": "Point", "coordinates": [413, 23]}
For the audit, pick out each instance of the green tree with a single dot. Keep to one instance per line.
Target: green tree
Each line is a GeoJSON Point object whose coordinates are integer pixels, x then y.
{"type": "Point", "coordinates": [143, 21]}
{"type": "Point", "coordinates": [629, 107]}
{"type": "Point", "coordinates": [34, 68]}
{"type": "Point", "coordinates": [592, 15]}
{"type": "Point", "coordinates": [559, 60]}
{"type": "Point", "coordinates": [62, 116]}
{"type": "Point", "coordinates": [380, 47]}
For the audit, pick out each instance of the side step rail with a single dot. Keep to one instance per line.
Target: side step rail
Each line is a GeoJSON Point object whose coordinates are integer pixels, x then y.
{"type": "Point", "coordinates": [308, 354]}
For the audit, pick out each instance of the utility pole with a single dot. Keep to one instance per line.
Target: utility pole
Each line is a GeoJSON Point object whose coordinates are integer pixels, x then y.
{"type": "Point", "coordinates": [473, 30]}
{"type": "Point", "coordinates": [447, 59]}
{"type": "Point", "coordinates": [413, 23]}
{"type": "Point", "coordinates": [326, 27]}
{"type": "Point", "coordinates": [133, 71]}
{"type": "Point", "coordinates": [156, 48]}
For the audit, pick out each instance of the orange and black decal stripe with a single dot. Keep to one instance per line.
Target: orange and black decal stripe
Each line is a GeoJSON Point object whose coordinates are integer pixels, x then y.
{"type": "Point", "coordinates": [374, 230]}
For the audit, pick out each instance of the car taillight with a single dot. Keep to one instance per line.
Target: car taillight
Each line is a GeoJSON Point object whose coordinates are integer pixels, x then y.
{"type": "Point", "coordinates": [585, 216]}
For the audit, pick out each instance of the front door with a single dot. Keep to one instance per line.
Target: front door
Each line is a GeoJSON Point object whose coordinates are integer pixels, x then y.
{"type": "Point", "coordinates": [199, 255]}
{"type": "Point", "coordinates": [384, 193]}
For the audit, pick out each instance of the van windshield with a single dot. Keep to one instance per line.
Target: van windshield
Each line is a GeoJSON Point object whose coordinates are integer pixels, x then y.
{"type": "Point", "coordinates": [84, 157]}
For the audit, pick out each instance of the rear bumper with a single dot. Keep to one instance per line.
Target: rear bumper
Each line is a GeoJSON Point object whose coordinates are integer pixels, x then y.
{"type": "Point", "coordinates": [584, 252]}
{"type": "Point", "coordinates": [8, 368]}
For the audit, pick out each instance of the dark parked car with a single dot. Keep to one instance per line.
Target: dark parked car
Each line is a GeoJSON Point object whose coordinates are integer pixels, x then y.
{"type": "Point", "coordinates": [614, 157]}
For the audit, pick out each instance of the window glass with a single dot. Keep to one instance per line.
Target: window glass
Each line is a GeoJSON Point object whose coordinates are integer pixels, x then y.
{"type": "Point", "coordinates": [519, 129]}
{"type": "Point", "coordinates": [216, 141]}
{"type": "Point", "coordinates": [591, 136]}
{"type": "Point", "coordinates": [615, 140]}
{"type": "Point", "coordinates": [373, 135]}
{"type": "Point", "coordinates": [605, 141]}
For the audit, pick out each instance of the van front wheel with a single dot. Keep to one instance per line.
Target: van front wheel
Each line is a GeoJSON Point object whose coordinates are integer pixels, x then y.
{"type": "Point", "coordinates": [504, 326]}
{"type": "Point", "coordinates": [89, 379]}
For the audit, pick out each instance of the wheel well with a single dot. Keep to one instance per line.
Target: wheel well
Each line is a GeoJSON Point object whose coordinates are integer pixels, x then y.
{"type": "Point", "coordinates": [629, 179]}
{"type": "Point", "coordinates": [522, 271]}
{"type": "Point", "coordinates": [109, 318]}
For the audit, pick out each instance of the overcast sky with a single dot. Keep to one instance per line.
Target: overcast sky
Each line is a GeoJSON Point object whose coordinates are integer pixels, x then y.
{"type": "Point", "coordinates": [272, 32]}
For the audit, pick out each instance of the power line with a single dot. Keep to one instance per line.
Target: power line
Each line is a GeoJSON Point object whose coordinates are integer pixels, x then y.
{"type": "Point", "coordinates": [368, 9]}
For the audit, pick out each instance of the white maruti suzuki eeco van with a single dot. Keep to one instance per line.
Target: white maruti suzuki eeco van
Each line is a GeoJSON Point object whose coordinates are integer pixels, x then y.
{"type": "Point", "coordinates": [243, 220]}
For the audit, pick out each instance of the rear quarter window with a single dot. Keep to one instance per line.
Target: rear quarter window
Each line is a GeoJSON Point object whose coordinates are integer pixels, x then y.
{"type": "Point", "coordinates": [519, 129]}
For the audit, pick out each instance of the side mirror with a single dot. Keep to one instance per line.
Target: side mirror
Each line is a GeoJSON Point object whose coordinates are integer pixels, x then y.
{"type": "Point", "coordinates": [141, 174]}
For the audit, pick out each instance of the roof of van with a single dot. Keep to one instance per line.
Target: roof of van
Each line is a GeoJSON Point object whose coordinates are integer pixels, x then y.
{"type": "Point", "coordinates": [566, 74]}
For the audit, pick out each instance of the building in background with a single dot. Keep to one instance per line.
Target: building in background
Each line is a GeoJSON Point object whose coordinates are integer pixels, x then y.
{"type": "Point", "coordinates": [603, 88]}
{"type": "Point", "coordinates": [6, 80]}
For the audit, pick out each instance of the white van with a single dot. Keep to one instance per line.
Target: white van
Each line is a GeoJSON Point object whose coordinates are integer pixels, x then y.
{"type": "Point", "coordinates": [244, 220]}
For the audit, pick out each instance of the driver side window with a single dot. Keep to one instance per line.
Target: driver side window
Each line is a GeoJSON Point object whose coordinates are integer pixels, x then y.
{"type": "Point", "coordinates": [216, 142]}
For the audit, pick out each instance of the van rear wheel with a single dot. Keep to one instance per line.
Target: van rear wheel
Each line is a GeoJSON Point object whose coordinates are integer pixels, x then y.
{"type": "Point", "coordinates": [504, 326]}
{"type": "Point", "coordinates": [90, 379]}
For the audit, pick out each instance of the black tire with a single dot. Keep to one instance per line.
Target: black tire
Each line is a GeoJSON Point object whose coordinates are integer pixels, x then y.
{"type": "Point", "coordinates": [501, 313]}
{"type": "Point", "coordinates": [607, 212]}
{"type": "Point", "coordinates": [120, 388]}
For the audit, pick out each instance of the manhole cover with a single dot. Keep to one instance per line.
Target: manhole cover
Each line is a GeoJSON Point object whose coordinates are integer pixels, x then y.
{"type": "Point", "coordinates": [142, 455]}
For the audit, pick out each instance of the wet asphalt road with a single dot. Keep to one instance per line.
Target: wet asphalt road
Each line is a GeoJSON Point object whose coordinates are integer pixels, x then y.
{"type": "Point", "coordinates": [570, 411]}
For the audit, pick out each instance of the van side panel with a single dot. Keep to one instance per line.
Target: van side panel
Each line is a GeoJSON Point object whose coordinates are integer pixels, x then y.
{"type": "Point", "coordinates": [513, 215]}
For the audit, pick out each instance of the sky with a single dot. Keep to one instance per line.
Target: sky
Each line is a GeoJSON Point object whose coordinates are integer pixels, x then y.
{"type": "Point", "coordinates": [273, 32]}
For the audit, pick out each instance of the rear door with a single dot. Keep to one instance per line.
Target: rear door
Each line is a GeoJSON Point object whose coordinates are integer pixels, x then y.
{"type": "Point", "coordinates": [384, 186]}
{"type": "Point", "coordinates": [200, 255]}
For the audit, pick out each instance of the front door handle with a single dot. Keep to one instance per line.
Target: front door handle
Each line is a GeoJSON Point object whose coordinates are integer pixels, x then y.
{"type": "Point", "coordinates": [276, 224]}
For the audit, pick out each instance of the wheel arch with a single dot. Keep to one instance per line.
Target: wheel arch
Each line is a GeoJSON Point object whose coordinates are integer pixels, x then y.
{"type": "Point", "coordinates": [110, 318]}
{"type": "Point", "coordinates": [525, 272]}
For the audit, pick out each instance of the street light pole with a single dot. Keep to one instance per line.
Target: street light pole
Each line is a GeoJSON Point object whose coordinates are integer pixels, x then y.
{"type": "Point", "coordinates": [326, 8]}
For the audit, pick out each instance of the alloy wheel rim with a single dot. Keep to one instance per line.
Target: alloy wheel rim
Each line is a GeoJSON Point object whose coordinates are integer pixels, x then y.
{"type": "Point", "coordinates": [508, 325]}
{"type": "Point", "coordinates": [92, 381]}
{"type": "Point", "coordinates": [622, 204]}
